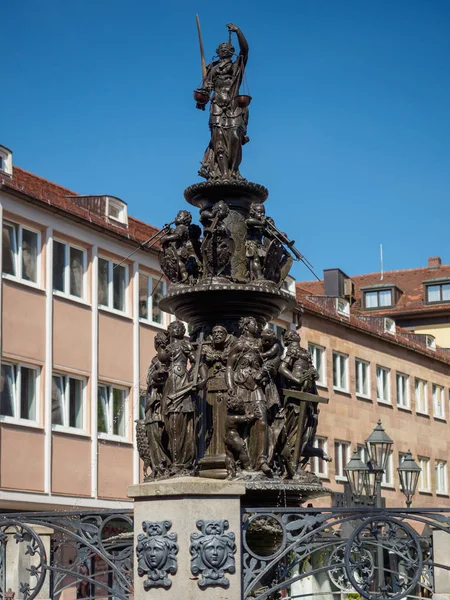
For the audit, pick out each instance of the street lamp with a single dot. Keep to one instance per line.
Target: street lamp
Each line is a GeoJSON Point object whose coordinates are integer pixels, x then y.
{"type": "Point", "coordinates": [409, 472]}
{"type": "Point", "coordinates": [378, 446]}
{"type": "Point", "coordinates": [369, 476]}
{"type": "Point", "coordinates": [357, 474]}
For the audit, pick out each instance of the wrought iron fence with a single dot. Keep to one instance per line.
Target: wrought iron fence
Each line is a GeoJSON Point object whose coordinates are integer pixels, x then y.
{"type": "Point", "coordinates": [342, 552]}
{"type": "Point", "coordinates": [51, 552]}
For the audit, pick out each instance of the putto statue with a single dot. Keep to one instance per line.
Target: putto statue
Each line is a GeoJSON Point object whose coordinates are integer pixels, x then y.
{"type": "Point", "coordinates": [228, 110]}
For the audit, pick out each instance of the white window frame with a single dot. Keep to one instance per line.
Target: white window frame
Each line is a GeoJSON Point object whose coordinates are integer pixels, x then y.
{"type": "Point", "coordinates": [110, 285]}
{"type": "Point", "coordinates": [109, 435]}
{"type": "Point", "coordinates": [377, 293]}
{"type": "Point", "coordinates": [17, 393]}
{"type": "Point", "coordinates": [343, 450]}
{"type": "Point", "coordinates": [66, 292]}
{"type": "Point", "coordinates": [424, 464]}
{"type": "Point", "coordinates": [344, 357]}
{"type": "Point", "coordinates": [387, 373]}
{"type": "Point", "coordinates": [425, 395]}
{"type": "Point", "coordinates": [406, 397]}
{"type": "Point", "coordinates": [359, 362]}
{"type": "Point", "coordinates": [17, 254]}
{"type": "Point", "coordinates": [319, 466]}
{"type": "Point", "coordinates": [150, 279]}
{"type": "Point", "coordinates": [440, 477]}
{"type": "Point", "coordinates": [313, 349]}
{"type": "Point", "coordinates": [65, 427]}
{"type": "Point", "coordinates": [388, 475]}
{"type": "Point", "coordinates": [120, 206]}
{"type": "Point", "coordinates": [438, 390]}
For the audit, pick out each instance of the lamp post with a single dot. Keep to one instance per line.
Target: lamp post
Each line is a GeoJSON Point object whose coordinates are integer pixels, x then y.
{"type": "Point", "coordinates": [369, 476]}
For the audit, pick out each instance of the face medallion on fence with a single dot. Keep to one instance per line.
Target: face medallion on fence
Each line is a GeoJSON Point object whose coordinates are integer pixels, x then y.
{"type": "Point", "coordinates": [213, 553]}
{"type": "Point", "coordinates": [156, 552]}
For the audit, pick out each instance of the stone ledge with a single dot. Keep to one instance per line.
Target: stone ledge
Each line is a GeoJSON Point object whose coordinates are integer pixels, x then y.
{"type": "Point", "coordinates": [186, 486]}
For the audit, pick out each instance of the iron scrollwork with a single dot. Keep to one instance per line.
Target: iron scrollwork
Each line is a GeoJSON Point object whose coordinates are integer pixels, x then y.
{"type": "Point", "coordinates": [212, 552]}
{"type": "Point", "coordinates": [156, 552]}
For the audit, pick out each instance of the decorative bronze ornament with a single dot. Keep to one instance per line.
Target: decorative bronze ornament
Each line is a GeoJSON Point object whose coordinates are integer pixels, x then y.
{"type": "Point", "coordinates": [212, 553]}
{"type": "Point", "coordinates": [156, 552]}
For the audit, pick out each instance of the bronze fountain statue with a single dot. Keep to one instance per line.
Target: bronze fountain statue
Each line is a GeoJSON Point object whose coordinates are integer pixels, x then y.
{"type": "Point", "coordinates": [234, 401]}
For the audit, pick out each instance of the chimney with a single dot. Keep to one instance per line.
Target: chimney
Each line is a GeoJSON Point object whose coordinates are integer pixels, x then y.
{"type": "Point", "coordinates": [434, 262]}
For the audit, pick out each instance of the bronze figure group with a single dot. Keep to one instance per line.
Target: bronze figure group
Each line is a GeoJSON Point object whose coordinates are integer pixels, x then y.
{"type": "Point", "coordinates": [253, 414]}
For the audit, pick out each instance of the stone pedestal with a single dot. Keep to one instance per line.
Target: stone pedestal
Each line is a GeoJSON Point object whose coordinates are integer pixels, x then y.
{"type": "Point", "coordinates": [177, 505]}
{"type": "Point", "coordinates": [441, 556]}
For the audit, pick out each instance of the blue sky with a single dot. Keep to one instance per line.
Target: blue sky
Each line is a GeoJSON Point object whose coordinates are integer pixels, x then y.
{"type": "Point", "coordinates": [349, 124]}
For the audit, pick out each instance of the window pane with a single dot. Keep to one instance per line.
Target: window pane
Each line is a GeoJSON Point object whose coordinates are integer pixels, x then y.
{"type": "Point", "coordinates": [102, 410]}
{"type": "Point", "coordinates": [9, 248]}
{"type": "Point", "coordinates": [335, 371]}
{"type": "Point", "coordinates": [371, 299]}
{"type": "Point", "coordinates": [59, 261]}
{"type": "Point", "coordinates": [142, 403]}
{"type": "Point", "coordinates": [434, 293]}
{"type": "Point", "coordinates": [143, 296]}
{"type": "Point", "coordinates": [28, 394]}
{"type": "Point", "coordinates": [76, 272]}
{"type": "Point", "coordinates": [157, 293]}
{"type": "Point", "coordinates": [57, 400]}
{"type": "Point", "coordinates": [385, 298]}
{"type": "Point", "coordinates": [7, 391]}
{"type": "Point", "coordinates": [75, 403]}
{"type": "Point", "coordinates": [446, 291]}
{"type": "Point", "coordinates": [119, 287]}
{"type": "Point", "coordinates": [118, 412]}
{"type": "Point", "coordinates": [103, 281]}
{"type": "Point", "coordinates": [29, 255]}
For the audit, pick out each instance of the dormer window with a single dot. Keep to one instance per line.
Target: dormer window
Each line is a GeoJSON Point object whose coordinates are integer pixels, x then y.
{"type": "Point", "coordinates": [6, 160]}
{"type": "Point", "coordinates": [116, 209]}
{"type": "Point", "coordinates": [437, 292]}
{"type": "Point", "coordinates": [380, 296]}
{"type": "Point", "coordinates": [343, 307]}
{"type": "Point", "coordinates": [378, 299]}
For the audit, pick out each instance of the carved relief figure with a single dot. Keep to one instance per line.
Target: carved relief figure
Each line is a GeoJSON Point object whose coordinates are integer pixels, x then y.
{"type": "Point", "coordinates": [246, 380]}
{"type": "Point", "coordinates": [156, 553]}
{"type": "Point", "coordinates": [215, 358]}
{"type": "Point", "coordinates": [228, 119]}
{"type": "Point", "coordinates": [177, 403]}
{"type": "Point", "coordinates": [217, 246]}
{"type": "Point", "coordinates": [254, 248]}
{"type": "Point", "coordinates": [212, 552]}
{"type": "Point", "coordinates": [298, 370]}
{"type": "Point", "coordinates": [159, 460]}
{"type": "Point", "coordinates": [178, 256]}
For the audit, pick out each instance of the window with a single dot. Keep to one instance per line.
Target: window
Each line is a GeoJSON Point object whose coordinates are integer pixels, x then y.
{"type": "Point", "coordinates": [340, 371]}
{"type": "Point", "coordinates": [362, 369]}
{"type": "Point", "coordinates": [343, 307]}
{"type": "Point", "coordinates": [319, 466]}
{"type": "Point", "coordinates": [279, 330]}
{"type": "Point", "coordinates": [402, 390]}
{"type": "Point", "coordinates": [142, 403]}
{"type": "Point", "coordinates": [438, 401]}
{"type": "Point", "coordinates": [383, 385]}
{"type": "Point", "coordinates": [378, 298]}
{"type": "Point", "coordinates": [388, 475]}
{"type": "Point", "coordinates": [424, 478]}
{"type": "Point", "coordinates": [341, 458]}
{"type": "Point", "coordinates": [363, 454]}
{"type": "Point", "coordinates": [117, 210]}
{"type": "Point", "coordinates": [69, 266]}
{"type": "Point", "coordinates": [112, 284]}
{"type": "Point", "coordinates": [111, 411]}
{"type": "Point", "coordinates": [19, 389]}
{"type": "Point", "coordinates": [318, 358]}
{"type": "Point", "coordinates": [20, 252]}
{"type": "Point", "coordinates": [440, 477]}
{"type": "Point", "coordinates": [420, 389]}
{"type": "Point", "coordinates": [438, 293]}
{"type": "Point", "coordinates": [68, 401]}
{"type": "Point", "coordinates": [151, 290]}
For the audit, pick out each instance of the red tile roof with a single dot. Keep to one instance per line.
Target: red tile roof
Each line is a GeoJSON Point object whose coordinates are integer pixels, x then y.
{"type": "Point", "coordinates": [362, 323]}
{"type": "Point", "coordinates": [48, 193]}
{"type": "Point", "coordinates": [408, 281]}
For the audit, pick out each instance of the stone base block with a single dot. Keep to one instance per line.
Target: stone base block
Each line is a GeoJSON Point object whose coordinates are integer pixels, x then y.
{"type": "Point", "coordinates": [183, 502]}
